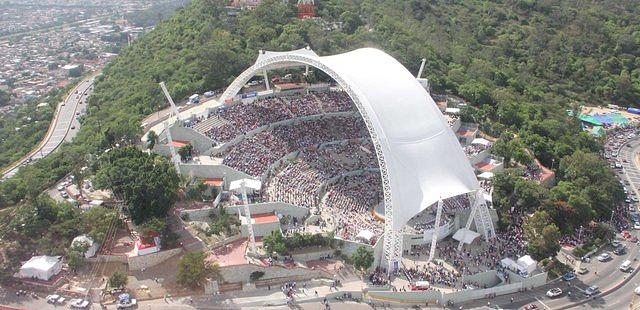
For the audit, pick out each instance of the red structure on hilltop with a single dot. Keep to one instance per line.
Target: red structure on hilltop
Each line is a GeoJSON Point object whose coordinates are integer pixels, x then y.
{"type": "Point", "coordinates": [306, 9]}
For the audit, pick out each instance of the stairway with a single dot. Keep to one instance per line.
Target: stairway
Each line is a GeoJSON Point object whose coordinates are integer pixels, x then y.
{"type": "Point", "coordinates": [209, 123]}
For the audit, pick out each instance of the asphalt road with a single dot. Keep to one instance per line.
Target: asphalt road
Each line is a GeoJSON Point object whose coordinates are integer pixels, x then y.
{"type": "Point", "coordinates": [65, 118]}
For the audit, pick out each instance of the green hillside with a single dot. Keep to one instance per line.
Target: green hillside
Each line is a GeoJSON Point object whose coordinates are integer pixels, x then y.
{"type": "Point", "coordinates": [521, 63]}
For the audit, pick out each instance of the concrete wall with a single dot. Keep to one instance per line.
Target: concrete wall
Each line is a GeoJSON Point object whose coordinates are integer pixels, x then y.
{"type": "Point", "coordinates": [489, 278]}
{"type": "Point", "coordinates": [268, 207]}
{"type": "Point", "coordinates": [529, 282]}
{"type": "Point", "coordinates": [200, 142]}
{"type": "Point", "coordinates": [150, 260]}
{"type": "Point", "coordinates": [480, 156]}
{"type": "Point", "coordinates": [201, 215]}
{"type": "Point", "coordinates": [101, 258]}
{"type": "Point", "coordinates": [259, 229]}
{"type": "Point", "coordinates": [410, 297]}
{"type": "Point", "coordinates": [315, 255]}
{"type": "Point", "coordinates": [241, 273]}
{"type": "Point", "coordinates": [213, 171]}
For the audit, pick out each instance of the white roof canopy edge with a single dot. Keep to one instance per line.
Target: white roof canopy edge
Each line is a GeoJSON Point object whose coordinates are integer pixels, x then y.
{"type": "Point", "coordinates": [420, 158]}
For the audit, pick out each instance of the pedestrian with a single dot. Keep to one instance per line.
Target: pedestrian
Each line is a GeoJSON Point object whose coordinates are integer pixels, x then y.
{"type": "Point", "coordinates": [316, 293]}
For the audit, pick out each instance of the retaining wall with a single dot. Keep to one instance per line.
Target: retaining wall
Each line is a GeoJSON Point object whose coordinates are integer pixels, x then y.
{"type": "Point", "coordinates": [150, 260]}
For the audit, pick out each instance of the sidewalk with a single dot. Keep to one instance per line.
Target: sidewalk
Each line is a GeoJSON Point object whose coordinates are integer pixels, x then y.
{"type": "Point", "coordinates": [276, 297]}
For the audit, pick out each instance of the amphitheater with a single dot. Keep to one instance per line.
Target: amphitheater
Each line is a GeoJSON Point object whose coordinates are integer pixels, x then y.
{"type": "Point", "coordinates": [367, 155]}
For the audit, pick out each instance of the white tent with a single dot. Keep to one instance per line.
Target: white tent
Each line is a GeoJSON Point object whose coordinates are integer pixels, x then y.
{"type": "Point", "coordinates": [508, 263]}
{"type": "Point", "coordinates": [92, 246]}
{"type": "Point", "coordinates": [365, 235]}
{"type": "Point", "coordinates": [481, 141]}
{"type": "Point", "coordinates": [248, 183]}
{"type": "Point", "coordinates": [527, 263]}
{"type": "Point", "coordinates": [465, 236]}
{"type": "Point", "coordinates": [486, 175]}
{"type": "Point", "coordinates": [41, 267]}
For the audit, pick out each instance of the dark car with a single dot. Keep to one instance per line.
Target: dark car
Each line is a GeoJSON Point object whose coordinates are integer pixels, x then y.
{"type": "Point", "coordinates": [620, 251]}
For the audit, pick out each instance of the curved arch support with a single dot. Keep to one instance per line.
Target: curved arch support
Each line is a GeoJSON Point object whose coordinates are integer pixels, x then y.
{"type": "Point", "coordinates": [420, 159]}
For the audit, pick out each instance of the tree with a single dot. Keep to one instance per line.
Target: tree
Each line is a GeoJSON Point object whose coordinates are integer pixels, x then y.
{"type": "Point", "coordinates": [542, 235]}
{"type": "Point", "coordinates": [76, 255]}
{"type": "Point", "coordinates": [362, 258]}
{"type": "Point", "coordinates": [151, 139]}
{"type": "Point", "coordinates": [194, 270]}
{"type": "Point", "coordinates": [99, 220]}
{"type": "Point", "coordinates": [274, 243]}
{"type": "Point", "coordinates": [147, 183]}
{"type": "Point", "coordinates": [5, 97]}
{"type": "Point", "coordinates": [118, 279]}
{"type": "Point", "coordinates": [185, 152]}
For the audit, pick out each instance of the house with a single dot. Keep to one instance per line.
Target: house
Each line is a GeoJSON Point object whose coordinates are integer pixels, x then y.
{"type": "Point", "coordinates": [41, 267]}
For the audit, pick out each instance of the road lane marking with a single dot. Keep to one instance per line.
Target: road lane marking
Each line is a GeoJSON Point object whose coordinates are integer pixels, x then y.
{"type": "Point", "coordinates": [542, 303]}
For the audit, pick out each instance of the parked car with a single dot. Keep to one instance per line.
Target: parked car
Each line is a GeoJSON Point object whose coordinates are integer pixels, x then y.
{"type": "Point", "coordinates": [568, 276]}
{"type": "Point", "coordinates": [208, 94]}
{"type": "Point", "coordinates": [78, 303]}
{"type": "Point", "coordinates": [591, 290]}
{"type": "Point", "coordinates": [604, 257]}
{"type": "Point", "coordinates": [582, 270]}
{"type": "Point", "coordinates": [55, 299]}
{"type": "Point", "coordinates": [554, 292]}
{"type": "Point", "coordinates": [636, 225]}
{"type": "Point", "coordinates": [616, 243]}
{"type": "Point", "coordinates": [620, 251]}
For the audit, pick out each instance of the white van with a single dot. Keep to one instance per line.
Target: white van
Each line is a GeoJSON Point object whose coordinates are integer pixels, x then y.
{"type": "Point", "coordinates": [626, 266]}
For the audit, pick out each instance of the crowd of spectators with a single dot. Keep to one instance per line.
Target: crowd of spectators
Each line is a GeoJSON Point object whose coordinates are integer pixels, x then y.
{"type": "Point", "coordinates": [244, 117]}
{"type": "Point", "coordinates": [254, 155]}
{"type": "Point", "coordinates": [299, 181]}
{"type": "Point", "coordinates": [349, 202]}
{"type": "Point", "coordinates": [487, 255]}
{"type": "Point", "coordinates": [434, 273]}
{"type": "Point", "coordinates": [474, 149]}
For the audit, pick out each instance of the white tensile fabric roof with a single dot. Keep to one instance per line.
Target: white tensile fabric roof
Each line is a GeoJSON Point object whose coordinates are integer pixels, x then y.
{"type": "Point", "coordinates": [465, 236]}
{"type": "Point", "coordinates": [424, 160]}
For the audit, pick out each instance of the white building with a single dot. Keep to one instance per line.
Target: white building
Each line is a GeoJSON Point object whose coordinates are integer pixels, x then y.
{"type": "Point", "coordinates": [41, 267]}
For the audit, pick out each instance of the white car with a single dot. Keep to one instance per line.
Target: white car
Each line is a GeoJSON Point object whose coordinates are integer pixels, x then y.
{"type": "Point", "coordinates": [604, 257]}
{"type": "Point", "coordinates": [616, 243]}
{"type": "Point", "coordinates": [637, 290]}
{"type": "Point", "coordinates": [78, 303]}
{"type": "Point", "coordinates": [127, 303]}
{"type": "Point", "coordinates": [55, 299]}
{"type": "Point", "coordinates": [554, 292]}
{"type": "Point", "coordinates": [636, 225]}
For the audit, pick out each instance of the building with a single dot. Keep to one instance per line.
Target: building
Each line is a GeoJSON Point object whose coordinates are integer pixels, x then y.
{"type": "Point", "coordinates": [41, 267]}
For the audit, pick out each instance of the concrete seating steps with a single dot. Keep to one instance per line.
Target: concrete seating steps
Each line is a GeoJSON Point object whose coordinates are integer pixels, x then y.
{"type": "Point", "coordinates": [209, 123]}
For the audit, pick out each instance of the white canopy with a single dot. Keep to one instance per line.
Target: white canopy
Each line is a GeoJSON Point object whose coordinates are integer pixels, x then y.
{"type": "Point", "coordinates": [486, 175]}
{"type": "Point", "coordinates": [507, 262]}
{"type": "Point", "coordinates": [248, 183]}
{"type": "Point", "coordinates": [420, 158]}
{"type": "Point", "coordinates": [527, 263]}
{"type": "Point", "coordinates": [465, 236]}
{"type": "Point", "coordinates": [365, 235]}
{"type": "Point", "coordinates": [481, 141]}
